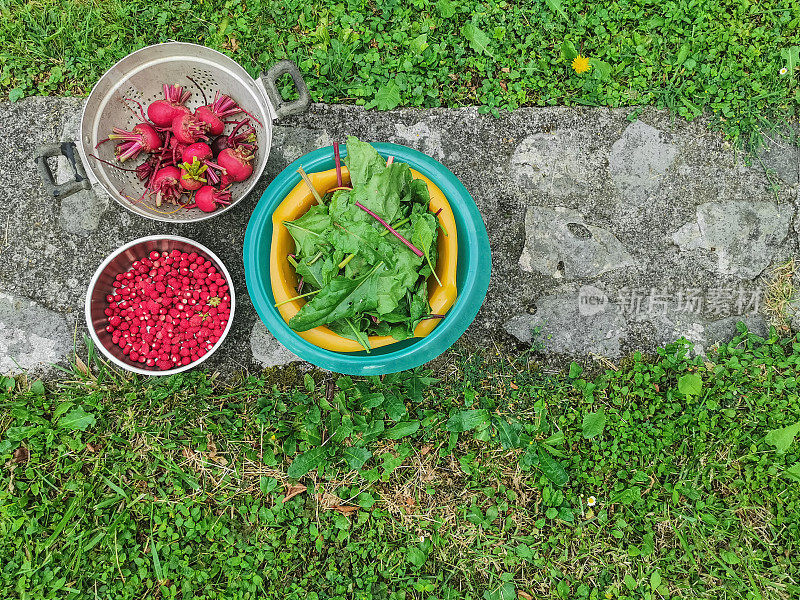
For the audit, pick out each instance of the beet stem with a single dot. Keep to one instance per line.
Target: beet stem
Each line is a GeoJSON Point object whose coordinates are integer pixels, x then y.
{"type": "Point", "coordinates": [197, 85]}
{"type": "Point", "coordinates": [314, 191]}
{"type": "Point", "coordinates": [110, 164]}
{"type": "Point", "coordinates": [389, 227]}
{"type": "Point", "coordinates": [338, 161]}
{"type": "Point", "coordinates": [277, 304]}
{"type": "Point", "coordinates": [141, 109]}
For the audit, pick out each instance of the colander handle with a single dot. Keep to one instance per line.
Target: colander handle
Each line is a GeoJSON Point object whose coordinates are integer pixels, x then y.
{"type": "Point", "coordinates": [282, 107]}
{"type": "Point", "coordinates": [68, 151]}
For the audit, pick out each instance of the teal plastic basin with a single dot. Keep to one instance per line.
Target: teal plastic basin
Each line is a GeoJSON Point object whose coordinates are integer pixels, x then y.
{"type": "Point", "coordinates": [472, 279]}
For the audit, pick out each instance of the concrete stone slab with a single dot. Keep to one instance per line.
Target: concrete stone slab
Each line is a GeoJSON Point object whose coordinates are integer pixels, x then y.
{"type": "Point", "coordinates": [559, 243]}
{"type": "Point", "coordinates": [582, 207]}
{"type": "Point", "coordinates": [32, 337]}
{"type": "Point", "coordinates": [741, 237]}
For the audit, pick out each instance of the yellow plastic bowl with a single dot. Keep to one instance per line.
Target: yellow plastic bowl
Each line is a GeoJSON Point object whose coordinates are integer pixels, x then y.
{"type": "Point", "coordinates": [284, 278]}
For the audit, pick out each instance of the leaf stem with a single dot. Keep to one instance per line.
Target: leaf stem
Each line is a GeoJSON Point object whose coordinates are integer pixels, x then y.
{"type": "Point", "coordinates": [400, 223]}
{"type": "Point", "coordinates": [346, 260]}
{"type": "Point", "coordinates": [433, 271]}
{"type": "Point", "coordinates": [338, 161]}
{"type": "Point", "coordinates": [389, 227]}
{"type": "Point", "coordinates": [277, 304]}
{"type": "Point", "coordinates": [314, 191]}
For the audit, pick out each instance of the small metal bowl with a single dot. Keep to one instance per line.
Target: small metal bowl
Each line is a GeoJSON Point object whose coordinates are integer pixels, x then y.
{"type": "Point", "coordinates": [119, 261]}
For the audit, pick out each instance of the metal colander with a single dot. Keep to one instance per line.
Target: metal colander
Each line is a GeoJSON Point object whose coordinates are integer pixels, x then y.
{"type": "Point", "coordinates": [140, 76]}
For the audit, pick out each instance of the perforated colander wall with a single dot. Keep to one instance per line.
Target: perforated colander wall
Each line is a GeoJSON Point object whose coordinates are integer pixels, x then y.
{"type": "Point", "coordinates": [113, 106]}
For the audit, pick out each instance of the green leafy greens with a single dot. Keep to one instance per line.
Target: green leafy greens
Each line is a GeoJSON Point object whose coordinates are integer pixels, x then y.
{"type": "Point", "coordinates": [369, 282]}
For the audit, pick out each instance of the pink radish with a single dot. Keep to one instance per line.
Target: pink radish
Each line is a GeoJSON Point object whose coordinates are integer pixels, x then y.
{"type": "Point", "coordinates": [143, 138]}
{"type": "Point", "coordinates": [208, 198]}
{"type": "Point", "coordinates": [237, 163]}
{"type": "Point", "coordinates": [213, 114]}
{"type": "Point", "coordinates": [163, 112]}
{"type": "Point", "coordinates": [166, 186]}
{"type": "Point", "coordinates": [192, 174]}
{"type": "Point", "coordinates": [188, 129]}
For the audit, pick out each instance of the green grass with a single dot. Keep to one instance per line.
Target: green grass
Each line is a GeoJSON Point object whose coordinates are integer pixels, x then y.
{"type": "Point", "coordinates": [718, 56]}
{"type": "Point", "coordinates": [472, 486]}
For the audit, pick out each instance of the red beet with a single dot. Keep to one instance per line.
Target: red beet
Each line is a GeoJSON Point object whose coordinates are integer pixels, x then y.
{"type": "Point", "coordinates": [208, 198]}
{"type": "Point", "coordinates": [193, 175]}
{"type": "Point", "coordinates": [219, 144]}
{"type": "Point", "coordinates": [213, 114]}
{"type": "Point", "coordinates": [165, 185]}
{"type": "Point", "coordinates": [143, 138]}
{"type": "Point", "coordinates": [188, 129]}
{"type": "Point", "coordinates": [236, 162]}
{"type": "Point", "coordinates": [163, 112]}
{"type": "Point", "coordinates": [201, 150]}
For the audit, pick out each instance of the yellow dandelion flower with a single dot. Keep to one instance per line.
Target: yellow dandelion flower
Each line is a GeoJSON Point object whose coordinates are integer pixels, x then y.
{"type": "Point", "coordinates": [580, 64]}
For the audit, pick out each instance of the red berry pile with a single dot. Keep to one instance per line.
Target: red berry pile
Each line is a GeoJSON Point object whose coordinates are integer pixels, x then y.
{"type": "Point", "coordinates": [168, 309]}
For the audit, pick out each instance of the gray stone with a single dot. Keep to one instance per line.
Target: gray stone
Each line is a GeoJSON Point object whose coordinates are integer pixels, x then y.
{"type": "Point", "coordinates": [557, 163]}
{"type": "Point", "coordinates": [267, 351]}
{"type": "Point", "coordinates": [559, 243]}
{"type": "Point", "coordinates": [782, 156]}
{"type": "Point", "coordinates": [741, 237]}
{"type": "Point", "coordinates": [639, 160]}
{"type": "Point", "coordinates": [80, 213]}
{"type": "Point", "coordinates": [630, 186]}
{"type": "Point", "coordinates": [421, 137]}
{"type": "Point", "coordinates": [562, 325]}
{"type": "Point", "coordinates": [793, 312]}
{"type": "Point", "coordinates": [702, 331]}
{"type": "Point", "coordinates": [32, 338]}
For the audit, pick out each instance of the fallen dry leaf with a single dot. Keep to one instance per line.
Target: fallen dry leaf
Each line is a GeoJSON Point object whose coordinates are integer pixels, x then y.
{"type": "Point", "coordinates": [524, 595]}
{"type": "Point", "coordinates": [345, 510]}
{"type": "Point", "coordinates": [293, 490]}
{"type": "Point", "coordinates": [81, 366]}
{"type": "Point", "coordinates": [21, 455]}
{"type": "Point", "coordinates": [514, 386]}
{"type": "Point", "coordinates": [93, 448]}
{"type": "Point", "coordinates": [506, 70]}
{"type": "Point", "coordinates": [187, 454]}
{"type": "Point", "coordinates": [658, 389]}
{"type": "Point", "coordinates": [212, 452]}
{"type": "Point", "coordinates": [425, 449]}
